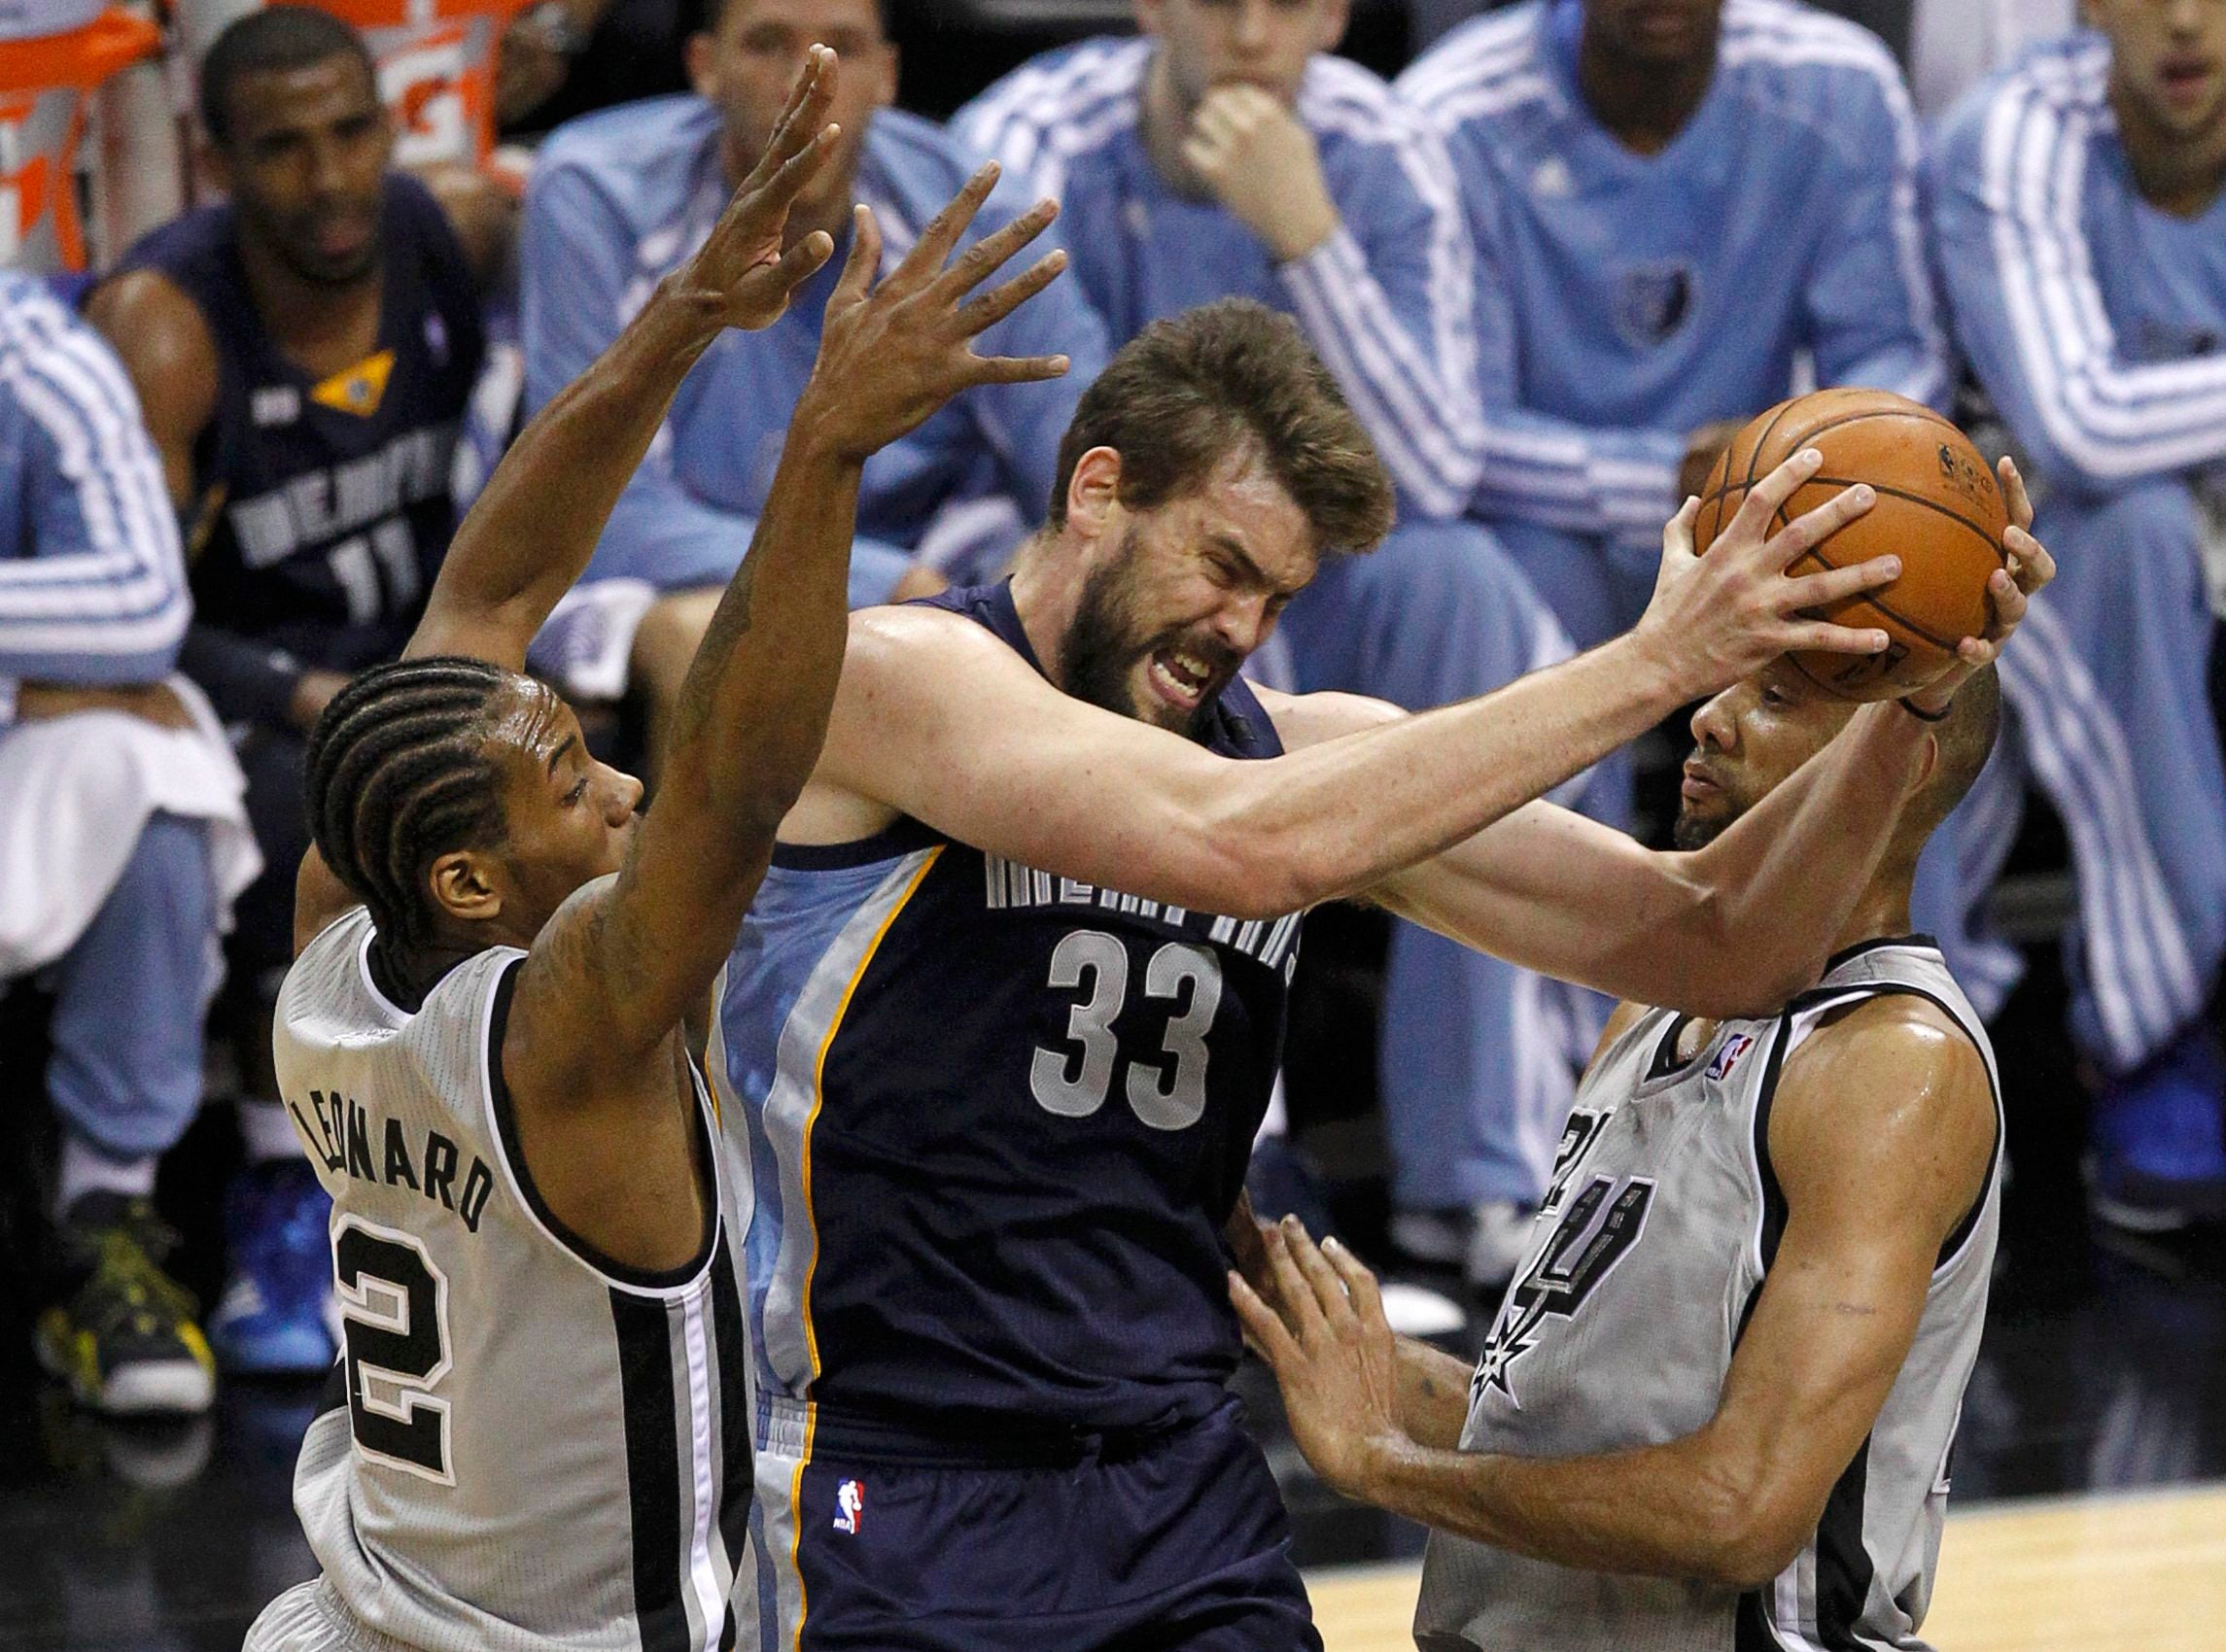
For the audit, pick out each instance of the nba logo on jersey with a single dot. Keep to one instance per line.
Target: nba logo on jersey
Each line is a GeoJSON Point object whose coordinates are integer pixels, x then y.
{"type": "Point", "coordinates": [849, 1506]}
{"type": "Point", "coordinates": [1727, 1058]}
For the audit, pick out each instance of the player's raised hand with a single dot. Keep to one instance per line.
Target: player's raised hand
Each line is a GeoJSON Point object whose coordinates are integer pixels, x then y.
{"type": "Point", "coordinates": [1716, 618]}
{"type": "Point", "coordinates": [740, 272]}
{"type": "Point", "coordinates": [1331, 1349]}
{"type": "Point", "coordinates": [2008, 590]}
{"type": "Point", "coordinates": [891, 355]}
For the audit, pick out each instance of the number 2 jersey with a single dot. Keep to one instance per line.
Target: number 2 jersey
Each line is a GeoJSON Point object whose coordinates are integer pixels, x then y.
{"type": "Point", "coordinates": [525, 1445]}
{"type": "Point", "coordinates": [1656, 1238]}
{"type": "Point", "coordinates": [996, 1119]}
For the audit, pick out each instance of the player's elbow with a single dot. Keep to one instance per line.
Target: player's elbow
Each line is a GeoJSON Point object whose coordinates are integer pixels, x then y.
{"type": "Point", "coordinates": [1749, 1529]}
{"type": "Point", "coordinates": [1239, 868]}
{"type": "Point", "coordinates": [1748, 1551]}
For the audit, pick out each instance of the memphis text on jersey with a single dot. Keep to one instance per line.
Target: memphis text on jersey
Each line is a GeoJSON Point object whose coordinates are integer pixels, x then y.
{"type": "Point", "coordinates": [342, 1136]}
{"type": "Point", "coordinates": [1010, 886]}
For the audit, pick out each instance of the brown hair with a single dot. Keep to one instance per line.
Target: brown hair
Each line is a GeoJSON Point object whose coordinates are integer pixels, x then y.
{"type": "Point", "coordinates": [1185, 393]}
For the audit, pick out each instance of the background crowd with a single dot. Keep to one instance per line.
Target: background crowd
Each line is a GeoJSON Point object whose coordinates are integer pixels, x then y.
{"type": "Point", "coordinates": [286, 278]}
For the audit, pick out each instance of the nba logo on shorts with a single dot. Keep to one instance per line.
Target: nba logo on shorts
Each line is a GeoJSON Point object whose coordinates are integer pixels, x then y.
{"type": "Point", "coordinates": [849, 1506]}
{"type": "Point", "coordinates": [1727, 1058]}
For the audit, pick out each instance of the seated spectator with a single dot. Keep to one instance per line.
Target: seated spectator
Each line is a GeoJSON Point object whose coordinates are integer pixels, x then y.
{"type": "Point", "coordinates": [1227, 153]}
{"type": "Point", "coordinates": [1675, 201]}
{"type": "Point", "coordinates": [120, 804]}
{"type": "Point", "coordinates": [305, 353]}
{"type": "Point", "coordinates": [2078, 202]}
{"type": "Point", "coordinates": [620, 199]}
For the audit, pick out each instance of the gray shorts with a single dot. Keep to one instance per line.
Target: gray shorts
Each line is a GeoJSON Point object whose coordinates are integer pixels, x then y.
{"type": "Point", "coordinates": [310, 1617]}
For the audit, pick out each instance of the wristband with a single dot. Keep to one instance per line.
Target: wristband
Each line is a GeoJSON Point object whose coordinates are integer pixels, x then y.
{"type": "Point", "coordinates": [1939, 716]}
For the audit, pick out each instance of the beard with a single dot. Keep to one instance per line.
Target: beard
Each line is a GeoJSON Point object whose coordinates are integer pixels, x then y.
{"type": "Point", "coordinates": [1106, 642]}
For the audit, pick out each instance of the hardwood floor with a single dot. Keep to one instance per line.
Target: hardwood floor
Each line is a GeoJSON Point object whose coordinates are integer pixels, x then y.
{"type": "Point", "coordinates": [2133, 1573]}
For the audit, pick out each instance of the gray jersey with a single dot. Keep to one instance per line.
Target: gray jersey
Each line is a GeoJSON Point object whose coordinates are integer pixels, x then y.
{"type": "Point", "coordinates": [526, 1445]}
{"type": "Point", "coordinates": [1649, 1251]}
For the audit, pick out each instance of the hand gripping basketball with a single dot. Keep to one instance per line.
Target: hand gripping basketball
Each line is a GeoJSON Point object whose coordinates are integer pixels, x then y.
{"type": "Point", "coordinates": [2008, 591]}
{"type": "Point", "coordinates": [1718, 618]}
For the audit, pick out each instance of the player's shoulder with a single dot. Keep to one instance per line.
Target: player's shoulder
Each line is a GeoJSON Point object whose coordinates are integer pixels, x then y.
{"type": "Point", "coordinates": [1077, 90]}
{"type": "Point", "coordinates": [1342, 102]}
{"type": "Point", "coordinates": [2046, 86]}
{"type": "Point", "coordinates": [1301, 720]}
{"type": "Point", "coordinates": [1810, 66]}
{"type": "Point", "coordinates": [162, 337]}
{"type": "Point", "coordinates": [1889, 1044]}
{"type": "Point", "coordinates": [912, 643]}
{"type": "Point", "coordinates": [1489, 68]}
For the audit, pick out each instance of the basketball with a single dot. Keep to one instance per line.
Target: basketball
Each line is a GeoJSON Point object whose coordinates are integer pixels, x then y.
{"type": "Point", "coordinates": [1939, 510]}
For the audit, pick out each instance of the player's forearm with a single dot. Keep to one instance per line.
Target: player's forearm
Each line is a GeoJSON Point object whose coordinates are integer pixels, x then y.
{"type": "Point", "coordinates": [1338, 817]}
{"type": "Point", "coordinates": [747, 730]}
{"type": "Point", "coordinates": [1777, 886]}
{"type": "Point", "coordinates": [1658, 1511]}
{"type": "Point", "coordinates": [1433, 1395]}
{"type": "Point", "coordinates": [529, 538]}
{"type": "Point", "coordinates": [753, 713]}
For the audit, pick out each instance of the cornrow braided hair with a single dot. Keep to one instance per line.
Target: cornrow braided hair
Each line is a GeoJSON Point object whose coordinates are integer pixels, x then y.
{"type": "Point", "coordinates": [398, 775]}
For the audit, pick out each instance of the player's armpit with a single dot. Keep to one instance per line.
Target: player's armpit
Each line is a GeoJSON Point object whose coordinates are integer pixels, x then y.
{"type": "Point", "coordinates": [1882, 1136]}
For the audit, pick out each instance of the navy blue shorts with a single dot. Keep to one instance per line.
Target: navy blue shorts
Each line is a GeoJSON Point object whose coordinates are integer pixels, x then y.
{"type": "Point", "coordinates": [1166, 1540]}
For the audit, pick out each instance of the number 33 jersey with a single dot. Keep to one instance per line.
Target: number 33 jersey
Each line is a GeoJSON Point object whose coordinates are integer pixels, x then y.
{"type": "Point", "coordinates": [996, 1119]}
{"type": "Point", "coordinates": [525, 1445]}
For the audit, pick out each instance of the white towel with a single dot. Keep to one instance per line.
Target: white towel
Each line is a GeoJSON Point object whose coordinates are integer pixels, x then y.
{"type": "Point", "coordinates": [75, 792]}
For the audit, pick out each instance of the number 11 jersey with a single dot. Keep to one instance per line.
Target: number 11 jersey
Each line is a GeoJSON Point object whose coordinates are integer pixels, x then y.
{"type": "Point", "coordinates": [526, 1445]}
{"type": "Point", "coordinates": [995, 1119]}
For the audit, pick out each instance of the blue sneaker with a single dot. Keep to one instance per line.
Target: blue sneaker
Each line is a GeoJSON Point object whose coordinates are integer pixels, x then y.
{"type": "Point", "coordinates": [2159, 1139]}
{"type": "Point", "coordinates": [277, 1317]}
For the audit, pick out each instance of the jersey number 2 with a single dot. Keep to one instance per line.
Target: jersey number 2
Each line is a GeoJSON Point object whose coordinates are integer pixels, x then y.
{"type": "Point", "coordinates": [394, 1312]}
{"type": "Point", "coordinates": [1169, 1097]}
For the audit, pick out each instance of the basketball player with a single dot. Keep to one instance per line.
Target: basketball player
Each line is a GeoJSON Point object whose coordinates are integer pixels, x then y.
{"type": "Point", "coordinates": [539, 1432]}
{"type": "Point", "coordinates": [1717, 1405]}
{"type": "Point", "coordinates": [1001, 1027]}
{"type": "Point", "coordinates": [305, 353]}
{"type": "Point", "coordinates": [1227, 152]}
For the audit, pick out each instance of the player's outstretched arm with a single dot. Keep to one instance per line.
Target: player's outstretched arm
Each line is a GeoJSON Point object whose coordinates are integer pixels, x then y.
{"type": "Point", "coordinates": [1729, 929]}
{"type": "Point", "coordinates": [644, 945]}
{"type": "Point", "coordinates": [942, 722]}
{"type": "Point", "coordinates": [1880, 1137]}
{"type": "Point", "coordinates": [527, 539]}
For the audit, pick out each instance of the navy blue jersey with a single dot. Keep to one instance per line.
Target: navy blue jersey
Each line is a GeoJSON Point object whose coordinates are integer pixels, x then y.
{"type": "Point", "coordinates": [996, 1119]}
{"type": "Point", "coordinates": [329, 501]}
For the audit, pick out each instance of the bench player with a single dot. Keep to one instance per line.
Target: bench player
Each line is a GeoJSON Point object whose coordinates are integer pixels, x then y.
{"type": "Point", "coordinates": [1003, 1019]}
{"type": "Point", "coordinates": [305, 351]}
{"type": "Point", "coordinates": [541, 1431]}
{"type": "Point", "coordinates": [1717, 1402]}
